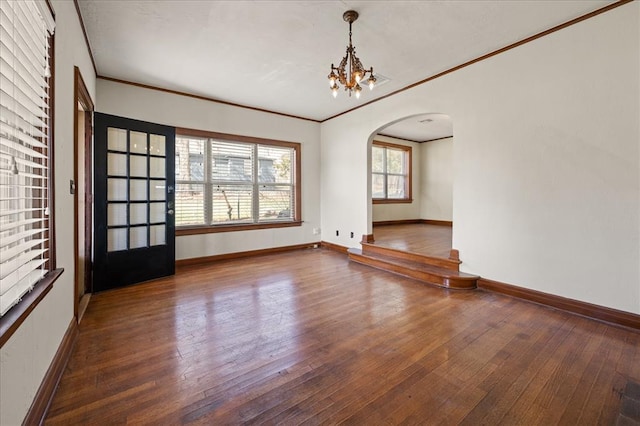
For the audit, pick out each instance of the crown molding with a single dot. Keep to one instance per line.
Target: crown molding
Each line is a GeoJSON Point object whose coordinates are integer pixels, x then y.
{"type": "Point", "coordinates": [491, 54]}
{"type": "Point", "coordinates": [86, 38]}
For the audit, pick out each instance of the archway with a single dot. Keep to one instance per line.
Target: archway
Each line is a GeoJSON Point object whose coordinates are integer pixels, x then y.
{"type": "Point", "coordinates": [411, 184]}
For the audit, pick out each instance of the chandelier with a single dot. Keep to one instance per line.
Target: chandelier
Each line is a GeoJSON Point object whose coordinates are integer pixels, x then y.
{"type": "Point", "coordinates": [350, 73]}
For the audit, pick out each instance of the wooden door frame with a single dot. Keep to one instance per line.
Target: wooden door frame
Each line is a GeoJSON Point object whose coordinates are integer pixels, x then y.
{"type": "Point", "coordinates": [81, 96]}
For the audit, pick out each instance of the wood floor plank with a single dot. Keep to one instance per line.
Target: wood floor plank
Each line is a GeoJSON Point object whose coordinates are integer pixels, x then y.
{"type": "Point", "coordinates": [308, 338]}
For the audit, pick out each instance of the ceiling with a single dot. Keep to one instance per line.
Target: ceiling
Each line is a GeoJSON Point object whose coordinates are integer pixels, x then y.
{"type": "Point", "coordinates": [421, 128]}
{"type": "Point", "coordinates": [276, 55]}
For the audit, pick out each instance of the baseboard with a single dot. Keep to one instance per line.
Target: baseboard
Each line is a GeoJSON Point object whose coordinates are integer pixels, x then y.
{"type": "Point", "coordinates": [38, 410]}
{"type": "Point", "coordinates": [334, 247]}
{"type": "Point", "coordinates": [589, 310]}
{"type": "Point", "coordinates": [413, 221]}
{"type": "Point", "coordinates": [437, 222]}
{"type": "Point", "coordinates": [241, 254]}
{"type": "Point", "coordinates": [397, 222]}
{"type": "Point", "coordinates": [82, 306]}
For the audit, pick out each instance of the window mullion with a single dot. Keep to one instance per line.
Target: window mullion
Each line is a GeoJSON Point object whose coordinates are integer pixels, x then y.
{"type": "Point", "coordinates": [384, 171]}
{"type": "Point", "coordinates": [255, 203]}
{"type": "Point", "coordinates": [208, 186]}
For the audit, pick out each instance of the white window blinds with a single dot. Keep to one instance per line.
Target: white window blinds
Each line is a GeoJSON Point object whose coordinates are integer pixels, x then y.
{"type": "Point", "coordinates": [24, 156]}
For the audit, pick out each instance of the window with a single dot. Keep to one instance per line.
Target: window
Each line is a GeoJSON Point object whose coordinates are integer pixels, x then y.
{"type": "Point", "coordinates": [24, 153]}
{"type": "Point", "coordinates": [235, 182]}
{"type": "Point", "coordinates": [391, 173]}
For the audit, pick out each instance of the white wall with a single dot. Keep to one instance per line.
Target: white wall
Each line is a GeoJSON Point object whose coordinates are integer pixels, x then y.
{"type": "Point", "coordinates": [436, 180]}
{"type": "Point", "coordinates": [182, 111]}
{"type": "Point", "coordinates": [25, 358]}
{"type": "Point", "coordinates": [546, 161]}
{"type": "Point", "coordinates": [401, 211]}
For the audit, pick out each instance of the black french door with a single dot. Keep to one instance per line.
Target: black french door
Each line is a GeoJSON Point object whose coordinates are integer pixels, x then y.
{"type": "Point", "coordinates": [134, 230]}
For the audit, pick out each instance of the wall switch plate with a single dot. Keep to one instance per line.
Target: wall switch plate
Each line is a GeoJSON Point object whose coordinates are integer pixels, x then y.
{"type": "Point", "coordinates": [72, 187]}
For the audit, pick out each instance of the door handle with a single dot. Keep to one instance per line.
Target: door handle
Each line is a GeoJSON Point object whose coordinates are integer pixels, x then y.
{"type": "Point", "coordinates": [170, 212]}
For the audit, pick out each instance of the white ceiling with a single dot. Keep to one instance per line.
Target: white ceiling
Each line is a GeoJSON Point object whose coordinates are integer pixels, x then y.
{"type": "Point", "coordinates": [276, 55]}
{"type": "Point", "coordinates": [421, 128]}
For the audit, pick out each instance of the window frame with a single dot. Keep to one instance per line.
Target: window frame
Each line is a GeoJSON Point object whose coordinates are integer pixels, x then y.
{"type": "Point", "coordinates": [17, 314]}
{"type": "Point", "coordinates": [408, 184]}
{"type": "Point", "coordinates": [223, 227]}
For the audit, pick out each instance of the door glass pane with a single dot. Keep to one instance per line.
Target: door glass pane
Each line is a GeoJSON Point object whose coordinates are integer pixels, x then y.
{"type": "Point", "coordinates": [137, 213]}
{"type": "Point", "coordinates": [116, 189]}
{"type": "Point", "coordinates": [116, 139]}
{"type": "Point", "coordinates": [157, 145]}
{"type": "Point", "coordinates": [138, 190]}
{"type": "Point", "coordinates": [158, 235]}
{"type": "Point", "coordinates": [138, 143]}
{"type": "Point", "coordinates": [117, 164]}
{"type": "Point", "coordinates": [116, 214]}
{"type": "Point", "coordinates": [137, 166]}
{"type": "Point", "coordinates": [157, 190]}
{"type": "Point", "coordinates": [138, 237]}
{"type": "Point", "coordinates": [157, 214]}
{"type": "Point", "coordinates": [156, 167]}
{"type": "Point", "coordinates": [116, 239]}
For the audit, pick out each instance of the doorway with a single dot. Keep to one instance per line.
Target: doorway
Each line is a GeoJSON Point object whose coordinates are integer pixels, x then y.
{"type": "Point", "coordinates": [422, 221]}
{"type": "Point", "coordinates": [82, 189]}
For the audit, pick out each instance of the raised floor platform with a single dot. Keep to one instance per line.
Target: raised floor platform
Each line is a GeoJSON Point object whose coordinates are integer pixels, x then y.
{"type": "Point", "coordinates": [432, 270]}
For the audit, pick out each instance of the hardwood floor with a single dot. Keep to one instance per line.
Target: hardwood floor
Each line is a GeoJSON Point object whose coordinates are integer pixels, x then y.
{"type": "Point", "coordinates": [432, 240]}
{"type": "Point", "coordinates": [307, 337]}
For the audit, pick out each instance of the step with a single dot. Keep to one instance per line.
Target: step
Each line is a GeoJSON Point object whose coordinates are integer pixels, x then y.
{"type": "Point", "coordinates": [374, 249]}
{"type": "Point", "coordinates": [434, 275]}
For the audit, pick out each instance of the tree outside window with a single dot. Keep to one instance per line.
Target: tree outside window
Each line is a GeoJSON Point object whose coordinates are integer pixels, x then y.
{"type": "Point", "coordinates": [391, 173]}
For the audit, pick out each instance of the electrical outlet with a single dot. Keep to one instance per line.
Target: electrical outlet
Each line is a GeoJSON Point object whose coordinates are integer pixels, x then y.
{"type": "Point", "coordinates": [72, 187]}
{"type": "Point", "coordinates": [316, 231]}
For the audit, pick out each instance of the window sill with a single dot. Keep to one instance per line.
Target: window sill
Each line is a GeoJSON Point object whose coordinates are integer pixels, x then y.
{"type": "Point", "coordinates": [392, 201]}
{"type": "Point", "coordinates": [12, 320]}
{"type": "Point", "coordinates": [195, 230]}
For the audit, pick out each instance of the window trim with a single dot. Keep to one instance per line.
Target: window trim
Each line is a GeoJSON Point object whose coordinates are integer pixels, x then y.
{"type": "Point", "coordinates": [11, 321]}
{"type": "Point", "coordinates": [408, 189]}
{"type": "Point", "coordinates": [297, 185]}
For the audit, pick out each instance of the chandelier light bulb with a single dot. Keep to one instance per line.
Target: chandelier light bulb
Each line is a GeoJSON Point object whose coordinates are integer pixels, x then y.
{"type": "Point", "coordinates": [371, 81]}
{"type": "Point", "coordinates": [332, 77]}
{"type": "Point", "coordinates": [334, 91]}
{"type": "Point", "coordinates": [358, 89]}
{"type": "Point", "coordinates": [358, 77]}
